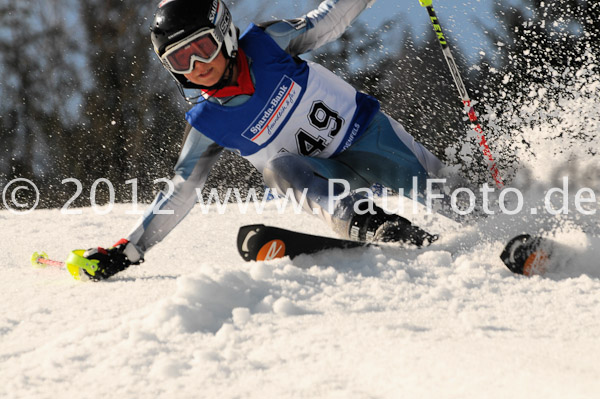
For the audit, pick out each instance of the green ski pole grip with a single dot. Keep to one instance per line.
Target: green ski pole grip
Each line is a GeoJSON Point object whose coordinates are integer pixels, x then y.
{"type": "Point", "coordinates": [76, 263]}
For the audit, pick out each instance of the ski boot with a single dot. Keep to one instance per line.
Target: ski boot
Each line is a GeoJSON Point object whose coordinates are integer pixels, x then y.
{"type": "Point", "coordinates": [386, 227]}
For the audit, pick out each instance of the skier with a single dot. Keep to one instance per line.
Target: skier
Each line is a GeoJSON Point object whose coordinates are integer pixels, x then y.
{"type": "Point", "coordinates": [295, 121]}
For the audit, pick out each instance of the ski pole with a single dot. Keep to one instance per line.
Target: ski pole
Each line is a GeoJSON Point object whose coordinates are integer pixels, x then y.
{"type": "Point", "coordinates": [464, 95]}
{"type": "Point", "coordinates": [41, 260]}
{"type": "Point", "coordinates": [79, 266]}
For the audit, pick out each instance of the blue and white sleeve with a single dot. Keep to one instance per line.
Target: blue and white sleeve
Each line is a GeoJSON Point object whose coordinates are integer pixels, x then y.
{"type": "Point", "coordinates": [320, 26]}
{"type": "Point", "coordinates": [171, 205]}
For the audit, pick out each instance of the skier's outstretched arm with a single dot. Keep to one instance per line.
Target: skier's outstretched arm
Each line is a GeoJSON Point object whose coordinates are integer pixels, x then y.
{"type": "Point", "coordinates": [320, 26]}
{"type": "Point", "coordinates": [197, 157]}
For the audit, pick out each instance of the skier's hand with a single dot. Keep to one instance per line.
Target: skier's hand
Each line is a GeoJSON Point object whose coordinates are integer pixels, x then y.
{"type": "Point", "coordinates": [114, 259]}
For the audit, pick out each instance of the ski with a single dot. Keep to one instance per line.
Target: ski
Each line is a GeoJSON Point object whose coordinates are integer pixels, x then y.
{"type": "Point", "coordinates": [528, 255]}
{"type": "Point", "coordinates": [524, 254]}
{"type": "Point", "coordinates": [259, 242]}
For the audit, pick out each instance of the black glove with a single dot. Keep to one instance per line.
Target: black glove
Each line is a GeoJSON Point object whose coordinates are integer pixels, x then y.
{"type": "Point", "coordinates": [113, 260]}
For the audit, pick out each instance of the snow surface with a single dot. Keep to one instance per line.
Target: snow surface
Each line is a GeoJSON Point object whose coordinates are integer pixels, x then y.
{"type": "Point", "coordinates": [195, 321]}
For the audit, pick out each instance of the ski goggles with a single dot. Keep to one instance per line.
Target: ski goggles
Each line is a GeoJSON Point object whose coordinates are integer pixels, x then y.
{"type": "Point", "coordinates": [202, 46]}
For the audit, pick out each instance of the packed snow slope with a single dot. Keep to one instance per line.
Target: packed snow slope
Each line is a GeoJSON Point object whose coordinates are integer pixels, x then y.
{"type": "Point", "coordinates": [195, 321]}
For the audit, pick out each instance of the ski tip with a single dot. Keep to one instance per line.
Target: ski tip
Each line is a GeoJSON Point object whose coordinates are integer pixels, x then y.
{"type": "Point", "coordinates": [527, 255]}
{"type": "Point", "coordinates": [254, 245]}
{"type": "Point", "coordinates": [246, 234]}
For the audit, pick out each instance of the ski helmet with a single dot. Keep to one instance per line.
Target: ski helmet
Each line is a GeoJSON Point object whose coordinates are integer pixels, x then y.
{"type": "Point", "coordinates": [176, 21]}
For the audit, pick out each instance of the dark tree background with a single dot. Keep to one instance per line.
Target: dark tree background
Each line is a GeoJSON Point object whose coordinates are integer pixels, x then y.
{"type": "Point", "coordinates": [83, 95]}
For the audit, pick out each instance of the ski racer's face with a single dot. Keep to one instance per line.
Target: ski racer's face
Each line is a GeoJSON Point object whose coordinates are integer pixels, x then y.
{"type": "Point", "coordinates": [208, 73]}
